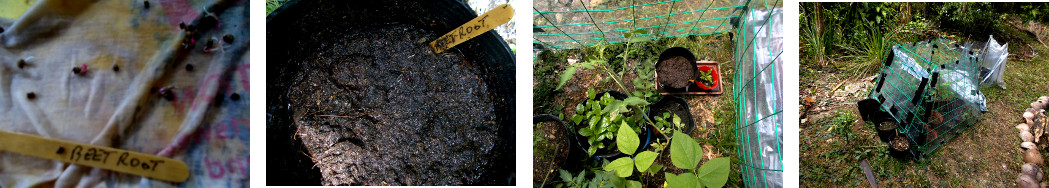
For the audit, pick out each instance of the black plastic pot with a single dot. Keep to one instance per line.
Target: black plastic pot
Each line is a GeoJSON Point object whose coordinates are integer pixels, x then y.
{"type": "Point", "coordinates": [293, 30]}
{"type": "Point", "coordinates": [898, 154]}
{"type": "Point", "coordinates": [674, 52]}
{"type": "Point", "coordinates": [889, 132]}
{"type": "Point", "coordinates": [573, 146]}
{"type": "Point", "coordinates": [657, 109]}
{"type": "Point", "coordinates": [870, 109]}
{"type": "Point", "coordinates": [645, 134]}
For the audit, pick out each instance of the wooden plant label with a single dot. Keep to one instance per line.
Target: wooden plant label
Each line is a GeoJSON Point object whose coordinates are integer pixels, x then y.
{"type": "Point", "coordinates": [487, 21]}
{"type": "Point", "coordinates": [118, 160]}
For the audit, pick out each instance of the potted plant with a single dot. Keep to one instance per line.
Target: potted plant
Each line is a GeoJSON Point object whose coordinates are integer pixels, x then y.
{"type": "Point", "coordinates": [675, 69]}
{"type": "Point", "coordinates": [553, 144]}
{"type": "Point", "coordinates": [707, 78]}
{"type": "Point", "coordinates": [670, 110]}
{"type": "Point", "coordinates": [599, 117]}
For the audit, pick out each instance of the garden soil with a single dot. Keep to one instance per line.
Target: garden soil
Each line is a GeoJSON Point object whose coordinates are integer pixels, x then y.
{"type": "Point", "coordinates": [675, 72]}
{"type": "Point", "coordinates": [550, 153]}
{"type": "Point", "coordinates": [375, 106]}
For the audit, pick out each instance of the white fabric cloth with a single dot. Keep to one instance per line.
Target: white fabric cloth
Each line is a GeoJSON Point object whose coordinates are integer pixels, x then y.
{"type": "Point", "coordinates": [130, 52]}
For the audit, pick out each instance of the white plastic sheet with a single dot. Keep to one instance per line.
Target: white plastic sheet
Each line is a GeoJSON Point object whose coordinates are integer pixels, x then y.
{"type": "Point", "coordinates": [993, 62]}
{"type": "Point", "coordinates": [761, 128]}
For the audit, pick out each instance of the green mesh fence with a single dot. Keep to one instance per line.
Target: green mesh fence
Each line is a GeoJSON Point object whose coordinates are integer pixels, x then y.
{"type": "Point", "coordinates": [931, 90]}
{"type": "Point", "coordinates": [757, 90]}
{"type": "Point", "coordinates": [576, 24]}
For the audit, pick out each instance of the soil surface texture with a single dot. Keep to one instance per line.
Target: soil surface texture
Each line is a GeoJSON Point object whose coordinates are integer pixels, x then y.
{"type": "Point", "coordinates": [376, 106]}
{"type": "Point", "coordinates": [551, 152]}
{"type": "Point", "coordinates": [675, 72]}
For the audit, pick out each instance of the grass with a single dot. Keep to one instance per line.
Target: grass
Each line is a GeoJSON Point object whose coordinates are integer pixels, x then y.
{"type": "Point", "coordinates": [871, 49]}
{"type": "Point", "coordinates": [818, 40]}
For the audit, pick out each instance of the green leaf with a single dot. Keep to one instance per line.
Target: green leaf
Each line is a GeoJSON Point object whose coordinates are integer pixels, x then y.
{"type": "Point", "coordinates": [659, 124]}
{"type": "Point", "coordinates": [565, 175]}
{"type": "Point", "coordinates": [587, 66]}
{"type": "Point", "coordinates": [655, 168]}
{"type": "Point", "coordinates": [590, 94]}
{"type": "Point", "coordinates": [684, 151]}
{"type": "Point", "coordinates": [614, 108]}
{"type": "Point", "coordinates": [605, 122]}
{"type": "Point", "coordinates": [714, 173]}
{"type": "Point", "coordinates": [644, 159]}
{"type": "Point", "coordinates": [686, 179]}
{"type": "Point", "coordinates": [590, 151]}
{"type": "Point", "coordinates": [627, 140]}
{"type": "Point", "coordinates": [633, 184]}
{"type": "Point", "coordinates": [581, 177]}
{"type": "Point", "coordinates": [577, 118]}
{"type": "Point", "coordinates": [635, 101]}
{"type": "Point", "coordinates": [677, 121]}
{"type": "Point", "coordinates": [589, 58]}
{"type": "Point", "coordinates": [593, 122]}
{"type": "Point", "coordinates": [622, 167]}
{"type": "Point", "coordinates": [565, 76]}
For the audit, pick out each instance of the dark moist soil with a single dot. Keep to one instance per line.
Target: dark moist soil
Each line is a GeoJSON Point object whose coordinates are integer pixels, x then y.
{"type": "Point", "coordinates": [286, 153]}
{"type": "Point", "coordinates": [376, 106]}
{"type": "Point", "coordinates": [675, 73]}
{"type": "Point", "coordinates": [551, 153]}
{"type": "Point", "coordinates": [657, 179]}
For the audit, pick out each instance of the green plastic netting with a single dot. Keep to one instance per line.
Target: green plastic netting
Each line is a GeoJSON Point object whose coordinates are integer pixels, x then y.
{"type": "Point", "coordinates": [575, 24]}
{"type": "Point", "coordinates": [758, 93]}
{"type": "Point", "coordinates": [757, 87]}
{"type": "Point", "coordinates": [931, 90]}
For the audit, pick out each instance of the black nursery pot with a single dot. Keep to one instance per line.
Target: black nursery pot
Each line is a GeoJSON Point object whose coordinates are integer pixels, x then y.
{"type": "Point", "coordinates": [674, 52]}
{"type": "Point", "coordinates": [294, 28]}
{"type": "Point", "coordinates": [661, 106]}
{"type": "Point", "coordinates": [573, 145]}
{"type": "Point", "coordinates": [899, 154]}
{"type": "Point", "coordinates": [645, 134]}
{"type": "Point", "coordinates": [886, 133]}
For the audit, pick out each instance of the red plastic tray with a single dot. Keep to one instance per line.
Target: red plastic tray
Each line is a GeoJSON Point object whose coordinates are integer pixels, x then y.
{"type": "Point", "coordinates": [694, 90]}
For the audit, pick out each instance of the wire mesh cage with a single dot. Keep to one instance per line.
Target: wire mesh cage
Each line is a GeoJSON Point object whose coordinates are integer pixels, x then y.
{"type": "Point", "coordinates": [930, 89]}
{"type": "Point", "coordinates": [575, 24]}
{"type": "Point", "coordinates": [758, 92]}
